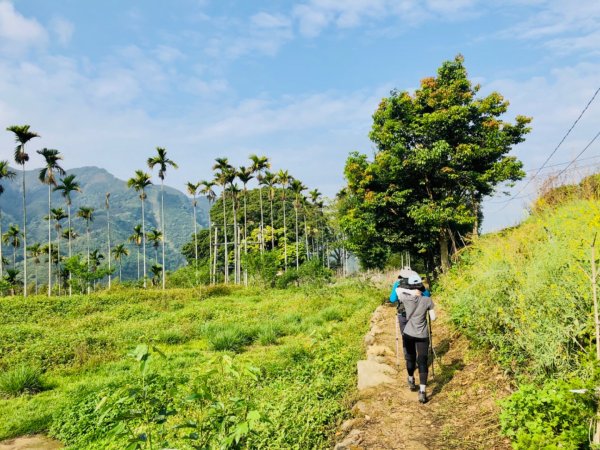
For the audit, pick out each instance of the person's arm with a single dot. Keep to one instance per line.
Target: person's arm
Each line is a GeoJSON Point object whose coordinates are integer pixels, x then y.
{"type": "Point", "coordinates": [415, 292]}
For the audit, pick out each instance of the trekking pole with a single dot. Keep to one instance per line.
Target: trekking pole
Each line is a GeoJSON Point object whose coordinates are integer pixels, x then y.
{"type": "Point", "coordinates": [431, 344]}
{"type": "Point", "coordinates": [397, 326]}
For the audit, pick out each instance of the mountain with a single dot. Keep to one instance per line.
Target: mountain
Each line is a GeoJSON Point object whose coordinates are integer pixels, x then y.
{"type": "Point", "coordinates": [125, 213]}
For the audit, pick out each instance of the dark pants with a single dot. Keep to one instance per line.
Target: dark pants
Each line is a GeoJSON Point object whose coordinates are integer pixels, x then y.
{"type": "Point", "coordinates": [416, 352]}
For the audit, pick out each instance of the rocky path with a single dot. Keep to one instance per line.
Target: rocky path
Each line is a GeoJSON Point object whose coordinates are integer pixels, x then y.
{"type": "Point", "coordinates": [462, 412]}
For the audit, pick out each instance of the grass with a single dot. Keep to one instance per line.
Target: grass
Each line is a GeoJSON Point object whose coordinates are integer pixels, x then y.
{"type": "Point", "coordinates": [21, 380]}
{"type": "Point", "coordinates": [303, 342]}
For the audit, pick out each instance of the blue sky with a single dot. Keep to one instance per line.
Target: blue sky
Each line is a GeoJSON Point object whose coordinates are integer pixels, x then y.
{"type": "Point", "coordinates": [107, 81]}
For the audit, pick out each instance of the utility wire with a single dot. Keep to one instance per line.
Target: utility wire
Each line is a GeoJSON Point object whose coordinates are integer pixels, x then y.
{"type": "Point", "coordinates": [557, 175]}
{"type": "Point", "coordinates": [580, 153]}
{"type": "Point", "coordinates": [558, 146]}
{"type": "Point", "coordinates": [514, 196]}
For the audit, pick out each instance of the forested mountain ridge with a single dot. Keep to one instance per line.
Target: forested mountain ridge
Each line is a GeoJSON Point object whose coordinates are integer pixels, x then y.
{"type": "Point", "coordinates": [125, 213]}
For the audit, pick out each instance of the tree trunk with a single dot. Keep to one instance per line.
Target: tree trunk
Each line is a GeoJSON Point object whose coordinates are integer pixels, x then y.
{"type": "Point", "coordinates": [272, 227]}
{"type": "Point", "coordinates": [109, 249]}
{"type": "Point", "coordinates": [69, 233]}
{"type": "Point", "coordinates": [444, 258]}
{"type": "Point", "coordinates": [235, 240]}
{"type": "Point", "coordinates": [226, 255]}
{"type": "Point", "coordinates": [297, 240]}
{"type": "Point", "coordinates": [88, 255]}
{"type": "Point", "coordinates": [49, 242]}
{"type": "Point", "coordinates": [262, 221]}
{"type": "Point", "coordinates": [164, 231]}
{"type": "Point", "coordinates": [196, 233]}
{"type": "Point", "coordinates": [215, 253]}
{"type": "Point", "coordinates": [143, 241]}
{"type": "Point", "coordinates": [284, 234]}
{"type": "Point", "coordinates": [476, 207]}
{"type": "Point", "coordinates": [24, 237]}
{"type": "Point", "coordinates": [245, 236]}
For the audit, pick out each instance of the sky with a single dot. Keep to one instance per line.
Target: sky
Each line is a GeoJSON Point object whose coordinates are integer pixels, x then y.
{"type": "Point", "coordinates": [106, 82]}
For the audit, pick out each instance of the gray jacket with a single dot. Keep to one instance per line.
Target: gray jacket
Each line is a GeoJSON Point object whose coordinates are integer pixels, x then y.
{"type": "Point", "coordinates": [416, 314]}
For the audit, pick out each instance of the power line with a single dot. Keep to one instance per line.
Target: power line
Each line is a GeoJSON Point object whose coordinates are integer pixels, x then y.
{"type": "Point", "coordinates": [559, 144]}
{"type": "Point", "coordinates": [569, 164]}
{"type": "Point", "coordinates": [563, 163]}
{"type": "Point", "coordinates": [580, 153]}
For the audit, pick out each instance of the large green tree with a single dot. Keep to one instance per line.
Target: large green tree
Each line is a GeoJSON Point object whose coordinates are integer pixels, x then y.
{"type": "Point", "coordinates": [440, 151]}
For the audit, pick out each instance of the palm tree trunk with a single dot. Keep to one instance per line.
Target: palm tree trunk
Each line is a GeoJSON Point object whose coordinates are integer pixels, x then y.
{"type": "Point", "coordinates": [284, 235]}
{"type": "Point", "coordinates": [144, 239]}
{"type": "Point", "coordinates": [138, 261]}
{"type": "Point", "coordinates": [164, 233]}
{"type": "Point", "coordinates": [88, 254]}
{"type": "Point", "coordinates": [262, 221]}
{"type": "Point", "coordinates": [109, 249]}
{"type": "Point", "coordinates": [306, 238]}
{"type": "Point", "coordinates": [235, 240]}
{"type": "Point", "coordinates": [272, 227]}
{"type": "Point", "coordinates": [58, 259]}
{"type": "Point", "coordinates": [196, 233]}
{"type": "Point", "coordinates": [226, 256]}
{"type": "Point", "coordinates": [24, 237]}
{"type": "Point", "coordinates": [69, 219]}
{"type": "Point", "coordinates": [297, 245]}
{"type": "Point", "coordinates": [120, 270]}
{"type": "Point", "coordinates": [216, 251]}
{"type": "Point", "coordinates": [49, 242]}
{"type": "Point", "coordinates": [246, 236]}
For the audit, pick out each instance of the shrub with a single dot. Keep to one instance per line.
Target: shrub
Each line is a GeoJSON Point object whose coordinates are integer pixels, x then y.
{"type": "Point", "coordinates": [547, 417]}
{"type": "Point", "coordinates": [262, 267]}
{"type": "Point", "coordinates": [189, 276]}
{"type": "Point", "coordinates": [332, 314]}
{"type": "Point", "coordinates": [21, 380]}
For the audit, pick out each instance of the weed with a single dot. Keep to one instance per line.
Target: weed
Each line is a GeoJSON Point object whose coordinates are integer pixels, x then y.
{"type": "Point", "coordinates": [21, 380]}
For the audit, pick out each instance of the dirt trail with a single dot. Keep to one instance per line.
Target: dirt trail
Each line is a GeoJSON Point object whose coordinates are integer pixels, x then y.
{"type": "Point", "coordinates": [462, 412]}
{"type": "Point", "coordinates": [33, 442]}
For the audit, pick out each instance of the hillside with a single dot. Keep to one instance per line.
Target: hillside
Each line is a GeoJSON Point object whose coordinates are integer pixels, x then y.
{"type": "Point", "coordinates": [125, 212]}
{"type": "Point", "coordinates": [524, 295]}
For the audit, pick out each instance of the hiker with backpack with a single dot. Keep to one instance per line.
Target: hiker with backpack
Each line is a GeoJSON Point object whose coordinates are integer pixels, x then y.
{"type": "Point", "coordinates": [414, 306]}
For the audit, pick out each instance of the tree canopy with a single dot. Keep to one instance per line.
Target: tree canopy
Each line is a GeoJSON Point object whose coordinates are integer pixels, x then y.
{"type": "Point", "coordinates": [440, 151]}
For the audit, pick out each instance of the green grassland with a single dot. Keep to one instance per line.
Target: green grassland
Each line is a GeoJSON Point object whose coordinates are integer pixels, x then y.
{"type": "Point", "coordinates": [288, 383]}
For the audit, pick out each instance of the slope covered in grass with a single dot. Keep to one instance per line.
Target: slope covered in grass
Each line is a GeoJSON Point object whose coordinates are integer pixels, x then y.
{"type": "Point", "coordinates": [524, 293]}
{"type": "Point", "coordinates": [293, 365]}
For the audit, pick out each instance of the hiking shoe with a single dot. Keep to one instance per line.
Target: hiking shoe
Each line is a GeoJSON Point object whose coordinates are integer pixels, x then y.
{"type": "Point", "coordinates": [422, 397]}
{"type": "Point", "coordinates": [411, 385]}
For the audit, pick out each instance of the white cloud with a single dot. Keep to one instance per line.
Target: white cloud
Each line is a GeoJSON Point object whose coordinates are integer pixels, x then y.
{"type": "Point", "coordinates": [561, 26]}
{"type": "Point", "coordinates": [313, 16]}
{"type": "Point", "coordinates": [168, 54]}
{"type": "Point", "coordinates": [17, 32]}
{"type": "Point", "coordinates": [63, 29]}
{"type": "Point", "coordinates": [266, 20]}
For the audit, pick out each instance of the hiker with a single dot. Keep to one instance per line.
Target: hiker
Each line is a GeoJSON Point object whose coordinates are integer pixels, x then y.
{"type": "Point", "coordinates": [402, 283]}
{"type": "Point", "coordinates": [413, 307]}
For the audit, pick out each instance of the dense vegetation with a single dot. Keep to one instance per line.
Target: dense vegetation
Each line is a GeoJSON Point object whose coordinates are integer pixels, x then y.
{"type": "Point", "coordinates": [525, 294]}
{"type": "Point", "coordinates": [64, 365]}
